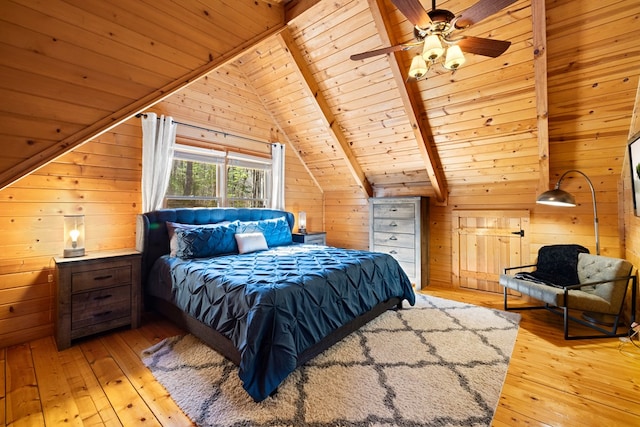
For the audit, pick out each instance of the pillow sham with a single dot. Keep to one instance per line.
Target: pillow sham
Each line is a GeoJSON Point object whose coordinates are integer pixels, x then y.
{"type": "Point", "coordinates": [251, 242]}
{"type": "Point", "coordinates": [171, 227]}
{"type": "Point", "coordinates": [276, 231]}
{"type": "Point", "coordinates": [202, 242]}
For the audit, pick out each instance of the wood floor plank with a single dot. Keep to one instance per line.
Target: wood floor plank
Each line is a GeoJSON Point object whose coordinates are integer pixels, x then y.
{"type": "Point", "coordinates": [153, 393]}
{"type": "Point", "coordinates": [23, 401]}
{"type": "Point", "coordinates": [93, 405]}
{"type": "Point", "coordinates": [58, 405]}
{"type": "Point", "coordinates": [130, 407]}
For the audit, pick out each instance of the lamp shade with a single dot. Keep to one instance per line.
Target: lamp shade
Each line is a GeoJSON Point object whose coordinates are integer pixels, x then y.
{"type": "Point", "coordinates": [418, 67]}
{"type": "Point", "coordinates": [454, 58]}
{"type": "Point", "coordinates": [302, 222]}
{"type": "Point", "coordinates": [73, 236]}
{"type": "Point", "coordinates": [432, 49]}
{"type": "Point", "coordinates": [556, 197]}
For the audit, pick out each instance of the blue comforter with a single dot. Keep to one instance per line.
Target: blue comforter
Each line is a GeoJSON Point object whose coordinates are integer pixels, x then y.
{"type": "Point", "coordinates": [274, 304]}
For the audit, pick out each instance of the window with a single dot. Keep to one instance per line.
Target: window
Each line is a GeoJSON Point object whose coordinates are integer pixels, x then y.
{"type": "Point", "coordinates": [210, 178]}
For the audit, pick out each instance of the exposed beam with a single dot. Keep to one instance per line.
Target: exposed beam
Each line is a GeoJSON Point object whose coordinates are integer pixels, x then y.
{"type": "Point", "coordinates": [538, 16]}
{"type": "Point", "coordinates": [295, 8]}
{"type": "Point", "coordinates": [311, 86]}
{"type": "Point", "coordinates": [412, 105]}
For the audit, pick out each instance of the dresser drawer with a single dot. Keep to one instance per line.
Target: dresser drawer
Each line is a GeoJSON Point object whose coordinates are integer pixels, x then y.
{"type": "Point", "coordinates": [394, 210]}
{"type": "Point", "coordinates": [100, 306]}
{"type": "Point", "coordinates": [104, 277]}
{"type": "Point", "coordinates": [401, 254]}
{"type": "Point", "coordinates": [399, 240]}
{"type": "Point", "coordinates": [392, 225]}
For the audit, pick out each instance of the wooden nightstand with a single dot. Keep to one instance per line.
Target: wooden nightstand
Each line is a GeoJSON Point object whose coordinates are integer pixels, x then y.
{"type": "Point", "coordinates": [97, 292]}
{"type": "Point", "coordinates": [310, 238]}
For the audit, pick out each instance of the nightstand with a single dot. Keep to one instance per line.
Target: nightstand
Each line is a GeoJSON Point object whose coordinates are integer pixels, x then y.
{"type": "Point", "coordinates": [97, 292]}
{"type": "Point", "coordinates": [310, 238]}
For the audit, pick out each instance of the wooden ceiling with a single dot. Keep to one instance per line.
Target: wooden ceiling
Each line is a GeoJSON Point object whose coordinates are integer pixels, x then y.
{"type": "Point", "coordinates": [72, 69]}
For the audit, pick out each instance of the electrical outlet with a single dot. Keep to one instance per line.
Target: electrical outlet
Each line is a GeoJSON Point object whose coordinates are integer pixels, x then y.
{"type": "Point", "coordinates": [50, 278]}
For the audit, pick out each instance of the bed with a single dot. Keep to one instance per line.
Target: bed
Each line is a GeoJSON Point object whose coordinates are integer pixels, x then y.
{"type": "Point", "coordinates": [234, 278]}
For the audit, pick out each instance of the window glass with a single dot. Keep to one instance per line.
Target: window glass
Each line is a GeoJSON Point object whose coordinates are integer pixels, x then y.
{"type": "Point", "coordinates": [198, 178]}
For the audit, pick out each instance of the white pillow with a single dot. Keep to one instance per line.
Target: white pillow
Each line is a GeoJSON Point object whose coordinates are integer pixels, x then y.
{"type": "Point", "coordinates": [251, 242]}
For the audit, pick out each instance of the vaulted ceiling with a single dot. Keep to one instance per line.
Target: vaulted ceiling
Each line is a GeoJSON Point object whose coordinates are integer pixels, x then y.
{"type": "Point", "coordinates": [72, 69]}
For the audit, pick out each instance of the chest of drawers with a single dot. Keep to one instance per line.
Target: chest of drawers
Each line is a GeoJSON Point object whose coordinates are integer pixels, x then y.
{"type": "Point", "coordinates": [399, 226]}
{"type": "Point", "coordinates": [96, 292]}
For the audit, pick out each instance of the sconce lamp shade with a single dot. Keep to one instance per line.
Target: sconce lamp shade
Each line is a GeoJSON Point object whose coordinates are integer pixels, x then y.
{"type": "Point", "coordinates": [556, 197]}
{"type": "Point", "coordinates": [418, 67]}
{"type": "Point", "coordinates": [302, 222]}
{"type": "Point", "coordinates": [73, 236]}
{"type": "Point", "coordinates": [454, 58]}
{"type": "Point", "coordinates": [432, 49]}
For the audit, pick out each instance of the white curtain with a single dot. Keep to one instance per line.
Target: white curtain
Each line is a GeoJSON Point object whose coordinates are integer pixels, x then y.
{"type": "Point", "coordinates": [158, 140]}
{"type": "Point", "coordinates": [277, 173]}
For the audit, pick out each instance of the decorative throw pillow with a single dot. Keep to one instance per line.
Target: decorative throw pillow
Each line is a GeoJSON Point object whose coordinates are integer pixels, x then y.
{"type": "Point", "coordinates": [276, 231]}
{"type": "Point", "coordinates": [251, 242]}
{"type": "Point", "coordinates": [171, 227]}
{"type": "Point", "coordinates": [207, 241]}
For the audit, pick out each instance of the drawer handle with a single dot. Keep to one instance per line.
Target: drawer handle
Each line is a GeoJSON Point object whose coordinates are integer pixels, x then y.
{"type": "Point", "coordinates": [101, 297]}
{"type": "Point", "coordinates": [104, 313]}
{"type": "Point", "coordinates": [103, 277]}
{"type": "Point", "coordinates": [393, 238]}
{"type": "Point", "coordinates": [393, 252]}
{"type": "Point", "coordinates": [393, 224]}
{"type": "Point", "coordinates": [393, 210]}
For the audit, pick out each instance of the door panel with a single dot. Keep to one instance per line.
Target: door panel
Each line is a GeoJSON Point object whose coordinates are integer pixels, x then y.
{"type": "Point", "coordinates": [484, 243]}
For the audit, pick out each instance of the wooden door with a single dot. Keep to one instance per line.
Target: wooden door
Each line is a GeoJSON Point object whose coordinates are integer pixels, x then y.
{"type": "Point", "coordinates": [484, 243]}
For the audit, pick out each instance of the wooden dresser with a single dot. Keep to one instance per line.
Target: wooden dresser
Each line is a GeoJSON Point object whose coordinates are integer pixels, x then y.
{"type": "Point", "coordinates": [399, 226]}
{"type": "Point", "coordinates": [97, 292]}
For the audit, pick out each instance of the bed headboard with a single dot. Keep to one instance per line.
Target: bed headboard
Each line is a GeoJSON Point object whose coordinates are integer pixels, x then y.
{"type": "Point", "coordinates": [152, 238]}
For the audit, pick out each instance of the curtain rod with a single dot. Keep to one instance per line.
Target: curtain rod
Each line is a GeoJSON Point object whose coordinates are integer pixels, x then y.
{"type": "Point", "coordinates": [225, 134]}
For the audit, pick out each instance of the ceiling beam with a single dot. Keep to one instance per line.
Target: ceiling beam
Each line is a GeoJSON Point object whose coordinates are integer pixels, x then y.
{"type": "Point", "coordinates": [412, 105]}
{"type": "Point", "coordinates": [538, 17]}
{"type": "Point", "coordinates": [311, 86]}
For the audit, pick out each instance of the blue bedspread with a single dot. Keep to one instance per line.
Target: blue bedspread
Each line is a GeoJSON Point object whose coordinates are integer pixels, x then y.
{"type": "Point", "coordinates": [274, 304]}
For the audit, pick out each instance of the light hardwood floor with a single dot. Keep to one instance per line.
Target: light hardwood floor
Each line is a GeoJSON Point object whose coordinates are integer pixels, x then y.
{"type": "Point", "coordinates": [101, 381]}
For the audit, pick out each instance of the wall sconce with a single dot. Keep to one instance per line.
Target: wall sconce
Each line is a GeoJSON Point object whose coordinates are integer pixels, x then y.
{"type": "Point", "coordinates": [302, 222]}
{"type": "Point", "coordinates": [73, 236]}
{"type": "Point", "coordinates": [557, 197]}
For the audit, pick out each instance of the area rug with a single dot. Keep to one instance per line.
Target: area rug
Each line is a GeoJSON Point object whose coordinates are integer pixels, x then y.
{"type": "Point", "coordinates": [438, 363]}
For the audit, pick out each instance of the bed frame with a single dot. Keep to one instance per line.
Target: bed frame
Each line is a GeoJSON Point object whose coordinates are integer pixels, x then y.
{"type": "Point", "coordinates": [153, 242]}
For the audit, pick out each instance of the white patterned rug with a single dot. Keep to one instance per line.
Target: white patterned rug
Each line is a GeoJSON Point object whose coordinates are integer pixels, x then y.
{"type": "Point", "coordinates": [439, 363]}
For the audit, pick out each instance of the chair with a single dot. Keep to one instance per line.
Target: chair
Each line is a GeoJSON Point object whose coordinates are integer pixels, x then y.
{"type": "Point", "coordinates": [567, 278]}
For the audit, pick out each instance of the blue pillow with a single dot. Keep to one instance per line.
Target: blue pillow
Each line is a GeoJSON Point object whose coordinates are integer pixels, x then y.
{"type": "Point", "coordinates": [276, 231]}
{"type": "Point", "coordinates": [202, 242]}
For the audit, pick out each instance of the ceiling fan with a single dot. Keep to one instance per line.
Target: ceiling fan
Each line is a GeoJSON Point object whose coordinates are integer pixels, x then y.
{"type": "Point", "coordinates": [435, 32]}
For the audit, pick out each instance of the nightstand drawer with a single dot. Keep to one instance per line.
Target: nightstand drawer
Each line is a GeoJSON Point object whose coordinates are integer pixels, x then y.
{"type": "Point", "coordinates": [102, 278]}
{"type": "Point", "coordinates": [104, 305]}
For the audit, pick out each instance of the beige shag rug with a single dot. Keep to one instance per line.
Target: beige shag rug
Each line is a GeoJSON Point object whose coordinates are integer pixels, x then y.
{"type": "Point", "coordinates": [439, 363]}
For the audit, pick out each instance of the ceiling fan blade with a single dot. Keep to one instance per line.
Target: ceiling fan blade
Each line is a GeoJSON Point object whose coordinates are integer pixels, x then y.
{"type": "Point", "coordinates": [384, 50]}
{"type": "Point", "coordinates": [479, 11]}
{"type": "Point", "coordinates": [486, 47]}
{"type": "Point", "coordinates": [413, 10]}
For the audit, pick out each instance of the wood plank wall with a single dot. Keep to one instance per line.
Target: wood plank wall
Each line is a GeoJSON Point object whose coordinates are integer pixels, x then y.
{"type": "Point", "coordinates": [101, 179]}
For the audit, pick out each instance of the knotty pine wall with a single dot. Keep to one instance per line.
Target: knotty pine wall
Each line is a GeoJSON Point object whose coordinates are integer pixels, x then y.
{"type": "Point", "coordinates": [101, 180]}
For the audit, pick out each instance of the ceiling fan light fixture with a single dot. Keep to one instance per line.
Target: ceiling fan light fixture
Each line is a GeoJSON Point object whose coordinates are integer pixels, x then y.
{"type": "Point", "coordinates": [432, 49]}
{"type": "Point", "coordinates": [454, 58]}
{"type": "Point", "coordinates": [418, 67]}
